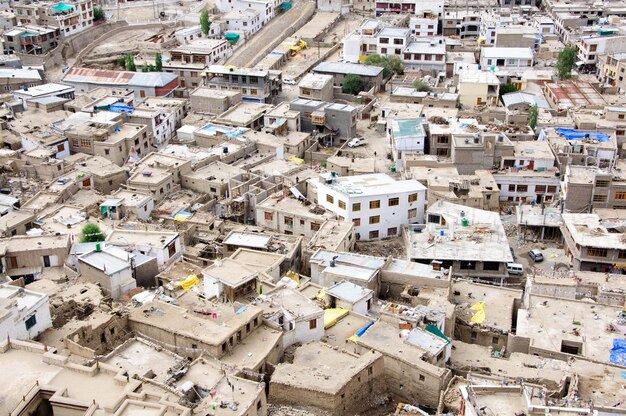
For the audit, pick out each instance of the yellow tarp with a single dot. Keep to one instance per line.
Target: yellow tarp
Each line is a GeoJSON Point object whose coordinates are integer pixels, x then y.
{"type": "Point", "coordinates": [293, 276]}
{"type": "Point", "coordinates": [296, 160]}
{"type": "Point", "coordinates": [479, 316]}
{"type": "Point", "coordinates": [189, 282]}
{"type": "Point", "coordinates": [182, 217]}
{"type": "Point", "coordinates": [332, 315]}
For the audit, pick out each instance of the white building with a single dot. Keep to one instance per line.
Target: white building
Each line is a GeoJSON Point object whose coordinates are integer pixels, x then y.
{"type": "Point", "coordinates": [377, 204]}
{"type": "Point", "coordinates": [350, 296]}
{"type": "Point", "coordinates": [423, 26]}
{"type": "Point", "coordinates": [506, 58]}
{"type": "Point", "coordinates": [248, 21]}
{"type": "Point", "coordinates": [107, 269]}
{"type": "Point", "coordinates": [392, 40]}
{"type": "Point", "coordinates": [24, 314]}
{"type": "Point", "coordinates": [72, 17]}
{"type": "Point", "coordinates": [166, 246]}
{"type": "Point", "coordinates": [301, 319]}
{"type": "Point", "coordinates": [266, 9]}
{"type": "Point", "coordinates": [428, 54]}
{"type": "Point", "coordinates": [407, 137]}
{"type": "Point", "coordinates": [362, 42]}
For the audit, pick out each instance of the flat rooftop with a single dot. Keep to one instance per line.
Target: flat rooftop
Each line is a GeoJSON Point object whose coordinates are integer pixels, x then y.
{"type": "Point", "coordinates": [323, 258]}
{"type": "Point", "coordinates": [549, 321]}
{"type": "Point", "coordinates": [319, 367]}
{"type": "Point", "coordinates": [157, 239]}
{"type": "Point", "coordinates": [590, 230]}
{"type": "Point", "coordinates": [498, 303]}
{"type": "Point", "coordinates": [139, 358]}
{"type": "Point", "coordinates": [374, 184]}
{"type": "Point", "coordinates": [230, 272]}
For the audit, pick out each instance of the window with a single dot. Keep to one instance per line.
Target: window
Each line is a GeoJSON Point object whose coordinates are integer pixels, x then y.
{"type": "Point", "coordinates": [356, 222]}
{"type": "Point", "coordinates": [474, 335]}
{"type": "Point", "coordinates": [31, 322]}
{"type": "Point", "coordinates": [468, 265]}
{"type": "Point", "coordinates": [356, 206]}
{"type": "Point", "coordinates": [398, 41]}
{"type": "Point", "coordinates": [512, 187]}
{"type": "Point", "coordinates": [422, 378]}
{"type": "Point", "coordinates": [384, 40]}
{"type": "Point", "coordinates": [313, 324]}
{"type": "Point", "coordinates": [620, 116]}
{"type": "Point", "coordinates": [602, 184]}
{"type": "Point", "coordinates": [289, 221]}
{"type": "Point", "coordinates": [373, 234]}
{"type": "Point", "coordinates": [392, 231]}
{"type": "Point", "coordinates": [495, 340]}
{"type": "Point", "coordinates": [106, 151]}
{"type": "Point", "coordinates": [341, 204]}
{"type": "Point", "coordinates": [269, 216]}
{"type": "Point", "coordinates": [375, 204]}
{"type": "Point", "coordinates": [540, 188]}
{"type": "Point", "coordinates": [413, 213]}
{"type": "Point", "coordinates": [622, 254]}
{"type": "Point", "coordinates": [443, 140]}
{"type": "Point", "coordinates": [412, 198]}
{"type": "Point", "coordinates": [315, 226]}
{"type": "Point", "coordinates": [599, 198]}
{"type": "Point", "coordinates": [620, 195]}
{"type": "Point", "coordinates": [491, 266]}
{"type": "Point", "coordinates": [60, 147]}
{"type": "Point", "coordinates": [330, 199]}
{"type": "Point", "coordinates": [375, 219]}
{"type": "Point", "coordinates": [552, 188]}
{"type": "Point", "coordinates": [394, 202]}
{"type": "Point", "coordinates": [596, 252]}
{"type": "Point", "coordinates": [522, 188]}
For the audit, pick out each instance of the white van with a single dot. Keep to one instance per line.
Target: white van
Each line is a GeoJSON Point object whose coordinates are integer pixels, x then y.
{"type": "Point", "coordinates": [515, 268]}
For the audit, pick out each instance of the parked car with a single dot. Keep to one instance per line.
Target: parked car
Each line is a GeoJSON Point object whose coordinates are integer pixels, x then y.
{"type": "Point", "coordinates": [515, 268]}
{"type": "Point", "coordinates": [536, 255]}
{"type": "Point", "coordinates": [289, 81]}
{"type": "Point", "coordinates": [357, 141]}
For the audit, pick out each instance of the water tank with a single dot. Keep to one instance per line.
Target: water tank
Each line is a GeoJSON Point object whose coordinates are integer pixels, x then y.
{"type": "Point", "coordinates": [464, 222]}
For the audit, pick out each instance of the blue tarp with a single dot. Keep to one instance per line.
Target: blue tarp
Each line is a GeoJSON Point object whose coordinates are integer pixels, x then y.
{"type": "Point", "coordinates": [119, 108]}
{"type": "Point", "coordinates": [362, 330]}
{"type": "Point", "coordinates": [573, 134]}
{"type": "Point", "coordinates": [618, 352]}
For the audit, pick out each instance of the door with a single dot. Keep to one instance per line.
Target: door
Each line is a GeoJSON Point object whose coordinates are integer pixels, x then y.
{"type": "Point", "coordinates": [46, 261]}
{"type": "Point", "coordinates": [13, 262]}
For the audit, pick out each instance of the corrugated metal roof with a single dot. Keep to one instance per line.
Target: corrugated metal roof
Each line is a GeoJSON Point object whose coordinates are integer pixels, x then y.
{"type": "Point", "coordinates": [102, 76]}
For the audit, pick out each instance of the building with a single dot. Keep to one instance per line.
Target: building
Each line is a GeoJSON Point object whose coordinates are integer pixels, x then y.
{"type": "Point", "coordinates": [565, 95]}
{"type": "Point", "coordinates": [144, 84]}
{"type": "Point", "coordinates": [37, 94]}
{"type": "Point", "coordinates": [255, 85]}
{"type": "Point", "coordinates": [505, 58]}
{"type": "Point", "coordinates": [605, 42]}
{"type": "Point", "coordinates": [31, 39]}
{"type": "Point", "coordinates": [332, 122]}
{"type": "Point", "coordinates": [447, 239]}
{"type": "Point", "coordinates": [107, 176]}
{"type": "Point", "coordinates": [316, 87]}
{"type": "Point", "coordinates": [24, 314]}
{"type": "Point", "coordinates": [19, 78]}
{"type": "Point", "coordinates": [478, 88]}
{"type": "Point", "coordinates": [125, 204]}
{"type": "Point", "coordinates": [426, 54]}
{"type": "Point", "coordinates": [211, 101]}
{"type": "Point", "coordinates": [30, 257]}
{"type": "Point", "coordinates": [372, 75]}
{"type": "Point", "coordinates": [109, 271]}
{"type": "Point", "coordinates": [165, 246]}
{"type": "Point", "coordinates": [407, 136]}
{"type": "Point", "coordinates": [585, 188]}
{"type": "Point", "coordinates": [70, 17]}
{"type": "Point", "coordinates": [593, 242]}
{"type": "Point", "coordinates": [290, 216]}
{"type": "Point", "coordinates": [338, 382]}
{"type": "Point", "coordinates": [377, 204]}
{"type": "Point", "coordinates": [425, 25]}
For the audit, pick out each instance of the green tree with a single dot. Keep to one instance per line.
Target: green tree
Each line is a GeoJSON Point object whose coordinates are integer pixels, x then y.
{"type": "Point", "coordinates": [144, 67]}
{"type": "Point", "coordinates": [421, 86]}
{"type": "Point", "coordinates": [352, 84]}
{"type": "Point", "coordinates": [91, 233]}
{"type": "Point", "coordinates": [130, 63]}
{"type": "Point", "coordinates": [158, 62]}
{"type": "Point", "coordinates": [391, 65]}
{"type": "Point", "coordinates": [98, 14]}
{"type": "Point", "coordinates": [565, 62]}
{"type": "Point", "coordinates": [205, 23]}
{"type": "Point", "coordinates": [507, 88]}
{"type": "Point", "coordinates": [121, 61]}
{"type": "Point", "coordinates": [533, 115]}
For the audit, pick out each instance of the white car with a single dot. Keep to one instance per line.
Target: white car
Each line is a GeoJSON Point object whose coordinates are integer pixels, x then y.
{"type": "Point", "coordinates": [289, 81]}
{"type": "Point", "coordinates": [357, 141]}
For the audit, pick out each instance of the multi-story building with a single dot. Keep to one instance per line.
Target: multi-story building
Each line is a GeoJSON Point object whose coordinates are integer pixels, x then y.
{"type": "Point", "coordinates": [31, 39]}
{"type": "Point", "coordinates": [190, 61]}
{"type": "Point", "coordinates": [377, 204]}
{"type": "Point", "coordinates": [462, 23]}
{"type": "Point", "coordinates": [594, 242]}
{"type": "Point", "coordinates": [70, 17]}
{"type": "Point", "coordinates": [426, 54]}
{"type": "Point", "coordinates": [506, 58]}
{"type": "Point", "coordinates": [612, 70]}
{"type": "Point", "coordinates": [263, 11]}
{"type": "Point", "coordinates": [13, 79]}
{"type": "Point", "coordinates": [393, 40]}
{"type": "Point", "coordinates": [362, 42]}
{"type": "Point", "coordinates": [426, 25]}
{"type": "Point", "coordinates": [478, 88]}
{"type": "Point", "coordinates": [316, 87]}
{"type": "Point", "coordinates": [407, 136]}
{"type": "Point", "coordinates": [332, 122]}
{"type": "Point", "coordinates": [586, 188]}
{"type": "Point", "coordinates": [255, 85]}
{"type": "Point", "coordinates": [25, 313]}
{"type": "Point", "coordinates": [592, 47]}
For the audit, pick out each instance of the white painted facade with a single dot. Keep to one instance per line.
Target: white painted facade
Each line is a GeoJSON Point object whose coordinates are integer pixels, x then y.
{"type": "Point", "coordinates": [425, 26]}
{"type": "Point", "coordinates": [528, 187]}
{"type": "Point", "coordinates": [506, 58]}
{"type": "Point", "coordinates": [24, 314]}
{"type": "Point", "coordinates": [377, 204]}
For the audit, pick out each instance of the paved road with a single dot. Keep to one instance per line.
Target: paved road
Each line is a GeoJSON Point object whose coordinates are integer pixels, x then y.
{"type": "Point", "coordinates": [277, 28]}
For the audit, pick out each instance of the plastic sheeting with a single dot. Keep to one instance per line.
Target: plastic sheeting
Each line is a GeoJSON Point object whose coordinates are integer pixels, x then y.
{"type": "Point", "coordinates": [479, 316]}
{"type": "Point", "coordinates": [189, 282]}
{"type": "Point", "coordinates": [573, 134]}
{"type": "Point", "coordinates": [618, 352]}
{"type": "Point", "coordinates": [332, 315]}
